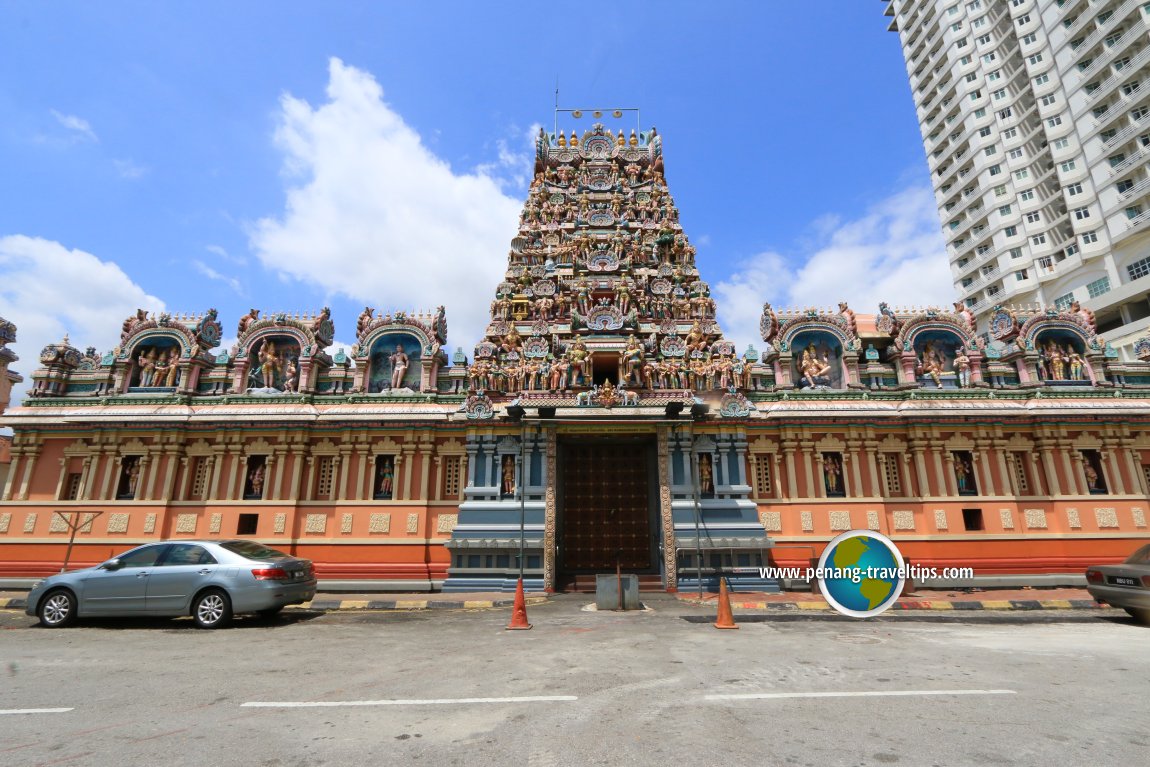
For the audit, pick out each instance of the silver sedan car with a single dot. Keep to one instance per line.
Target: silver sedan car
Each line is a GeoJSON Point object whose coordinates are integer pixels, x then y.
{"type": "Point", "coordinates": [209, 580]}
{"type": "Point", "coordinates": [1126, 585]}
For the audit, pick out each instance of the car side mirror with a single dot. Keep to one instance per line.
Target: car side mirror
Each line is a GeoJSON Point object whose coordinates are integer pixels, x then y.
{"type": "Point", "coordinates": [113, 564]}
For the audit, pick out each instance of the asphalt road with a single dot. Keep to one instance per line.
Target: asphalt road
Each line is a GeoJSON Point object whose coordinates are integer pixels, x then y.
{"type": "Point", "coordinates": [581, 688]}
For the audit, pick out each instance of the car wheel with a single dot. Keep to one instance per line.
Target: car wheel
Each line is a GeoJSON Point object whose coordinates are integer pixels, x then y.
{"type": "Point", "coordinates": [212, 609]}
{"type": "Point", "coordinates": [269, 613]}
{"type": "Point", "coordinates": [1142, 616]}
{"type": "Point", "coordinates": [57, 609]}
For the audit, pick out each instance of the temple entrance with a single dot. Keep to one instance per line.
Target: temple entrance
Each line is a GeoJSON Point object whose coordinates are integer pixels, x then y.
{"type": "Point", "coordinates": [604, 368]}
{"type": "Point", "coordinates": [607, 510]}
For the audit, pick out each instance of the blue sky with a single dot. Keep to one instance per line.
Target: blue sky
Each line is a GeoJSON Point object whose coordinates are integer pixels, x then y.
{"type": "Point", "coordinates": [289, 155]}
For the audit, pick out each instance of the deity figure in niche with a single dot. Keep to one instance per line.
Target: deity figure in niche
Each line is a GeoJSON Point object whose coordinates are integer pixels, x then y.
{"type": "Point", "coordinates": [384, 477]}
{"type": "Point", "coordinates": [147, 364]}
{"type": "Point", "coordinates": [291, 373]}
{"type": "Point", "coordinates": [833, 475]}
{"type": "Point", "coordinates": [398, 366]}
{"type": "Point", "coordinates": [964, 474]}
{"type": "Point", "coordinates": [932, 363]}
{"type": "Point", "coordinates": [254, 482]}
{"type": "Point", "coordinates": [962, 366]}
{"type": "Point", "coordinates": [815, 370]}
{"type": "Point", "coordinates": [507, 474]}
{"type": "Point", "coordinates": [1092, 469]}
{"type": "Point", "coordinates": [706, 474]}
{"type": "Point", "coordinates": [129, 477]}
{"type": "Point", "coordinates": [173, 368]}
{"type": "Point", "coordinates": [631, 359]}
{"type": "Point", "coordinates": [270, 364]}
{"type": "Point", "coordinates": [1076, 366]}
{"type": "Point", "coordinates": [577, 357]}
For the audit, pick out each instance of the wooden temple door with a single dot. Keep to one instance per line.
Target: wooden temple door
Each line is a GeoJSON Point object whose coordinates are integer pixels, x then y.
{"type": "Point", "coordinates": [606, 513]}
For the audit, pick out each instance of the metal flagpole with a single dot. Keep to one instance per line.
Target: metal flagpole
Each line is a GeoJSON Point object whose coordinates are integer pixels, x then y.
{"type": "Point", "coordinates": [698, 512]}
{"type": "Point", "coordinates": [522, 495]}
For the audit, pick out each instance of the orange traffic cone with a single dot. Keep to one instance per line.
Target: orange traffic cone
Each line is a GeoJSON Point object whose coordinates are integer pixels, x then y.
{"type": "Point", "coordinates": [726, 620]}
{"type": "Point", "coordinates": [519, 611]}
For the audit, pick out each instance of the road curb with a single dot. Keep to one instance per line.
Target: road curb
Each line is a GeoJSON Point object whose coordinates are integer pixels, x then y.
{"type": "Point", "coordinates": [925, 604]}
{"type": "Point", "coordinates": [351, 605]}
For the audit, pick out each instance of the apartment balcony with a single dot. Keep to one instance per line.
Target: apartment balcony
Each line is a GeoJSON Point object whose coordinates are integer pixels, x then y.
{"type": "Point", "coordinates": [1139, 221]}
{"type": "Point", "coordinates": [983, 279]}
{"type": "Point", "coordinates": [1124, 135]}
{"type": "Point", "coordinates": [1117, 78]}
{"type": "Point", "coordinates": [1109, 54]}
{"type": "Point", "coordinates": [1137, 158]}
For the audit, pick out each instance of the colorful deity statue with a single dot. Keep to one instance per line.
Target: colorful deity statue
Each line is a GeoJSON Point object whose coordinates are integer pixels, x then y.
{"type": "Point", "coordinates": [270, 364]}
{"type": "Point", "coordinates": [291, 373]}
{"type": "Point", "coordinates": [147, 363]}
{"type": "Point", "coordinates": [631, 361]}
{"type": "Point", "coordinates": [398, 366]}
{"type": "Point", "coordinates": [173, 375]}
{"type": "Point", "coordinates": [577, 358]}
{"type": "Point", "coordinates": [933, 364]}
{"type": "Point", "coordinates": [364, 319]}
{"type": "Point", "coordinates": [1077, 364]}
{"type": "Point", "coordinates": [962, 367]}
{"type": "Point", "coordinates": [247, 320]}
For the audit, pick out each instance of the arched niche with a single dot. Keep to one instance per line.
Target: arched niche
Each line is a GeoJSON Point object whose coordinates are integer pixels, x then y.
{"type": "Point", "coordinates": [154, 359]}
{"type": "Point", "coordinates": [817, 360]}
{"type": "Point", "coordinates": [935, 349]}
{"type": "Point", "coordinates": [383, 357]}
{"type": "Point", "coordinates": [1061, 355]}
{"type": "Point", "coordinates": [274, 361]}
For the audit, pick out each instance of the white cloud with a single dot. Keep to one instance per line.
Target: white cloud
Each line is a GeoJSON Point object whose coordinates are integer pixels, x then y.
{"type": "Point", "coordinates": [49, 290]}
{"type": "Point", "coordinates": [894, 253]}
{"type": "Point", "coordinates": [212, 274]}
{"type": "Point", "coordinates": [130, 170]}
{"type": "Point", "coordinates": [373, 214]}
{"type": "Point", "coordinates": [219, 250]}
{"type": "Point", "coordinates": [78, 125]}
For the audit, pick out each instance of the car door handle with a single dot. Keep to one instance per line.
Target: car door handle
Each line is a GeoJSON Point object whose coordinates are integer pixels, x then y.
{"type": "Point", "coordinates": [205, 571]}
{"type": "Point", "coordinates": [141, 575]}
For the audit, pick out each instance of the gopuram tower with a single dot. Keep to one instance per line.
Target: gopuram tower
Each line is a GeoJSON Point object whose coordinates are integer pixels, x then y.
{"type": "Point", "coordinates": [603, 318]}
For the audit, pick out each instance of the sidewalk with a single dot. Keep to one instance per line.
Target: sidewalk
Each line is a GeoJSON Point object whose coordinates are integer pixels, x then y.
{"type": "Point", "coordinates": [922, 599]}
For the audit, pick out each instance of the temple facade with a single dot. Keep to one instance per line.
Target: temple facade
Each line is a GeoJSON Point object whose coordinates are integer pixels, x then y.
{"type": "Point", "coordinates": [603, 421]}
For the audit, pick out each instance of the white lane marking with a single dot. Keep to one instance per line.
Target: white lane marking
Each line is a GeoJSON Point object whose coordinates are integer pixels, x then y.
{"type": "Point", "coordinates": [414, 702]}
{"type": "Point", "coordinates": [854, 694]}
{"type": "Point", "coordinates": [4, 711]}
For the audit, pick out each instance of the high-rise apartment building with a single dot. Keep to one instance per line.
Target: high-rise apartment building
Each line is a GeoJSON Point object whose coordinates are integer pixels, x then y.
{"type": "Point", "coordinates": [1035, 117]}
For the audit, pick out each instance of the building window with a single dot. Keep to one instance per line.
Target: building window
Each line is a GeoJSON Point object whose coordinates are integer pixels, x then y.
{"type": "Point", "coordinates": [1068, 166]}
{"type": "Point", "coordinates": [1015, 252]}
{"type": "Point", "coordinates": [1027, 195]}
{"type": "Point", "coordinates": [384, 480]}
{"type": "Point", "coordinates": [1134, 211]}
{"type": "Point", "coordinates": [1010, 231]}
{"type": "Point", "coordinates": [451, 466]}
{"type": "Point", "coordinates": [199, 479]}
{"type": "Point", "coordinates": [247, 524]}
{"type": "Point", "coordinates": [1062, 303]}
{"type": "Point", "coordinates": [964, 478]}
{"type": "Point", "coordinates": [1033, 217]}
{"type": "Point", "coordinates": [1055, 121]}
{"type": "Point", "coordinates": [1061, 143]}
{"type": "Point", "coordinates": [984, 132]}
{"type": "Point", "coordinates": [762, 476]}
{"type": "Point", "coordinates": [833, 475]}
{"type": "Point", "coordinates": [129, 478]}
{"type": "Point", "coordinates": [1048, 100]}
{"type": "Point", "coordinates": [1081, 213]}
{"type": "Point", "coordinates": [1035, 59]}
{"type": "Point", "coordinates": [1016, 154]}
{"type": "Point", "coordinates": [990, 150]}
{"type": "Point", "coordinates": [972, 519]}
{"type": "Point", "coordinates": [1139, 268]}
{"type": "Point", "coordinates": [1021, 174]}
{"type": "Point", "coordinates": [891, 475]}
{"type": "Point", "coordinates": [1089, 237]}
{"type": "Point", "coordinates": [1073, 189]}
{"type": "Point", "coordinates": [995, 170]}
{"type": "Point", "coordinates": [1092, 469]}
{"type": "Point", "coordinates": [1010, 133]}
{"type": "Point", "coordinates": [1098, 287]}
{"type": "Point", "coordinates": [323, 479]}
{"type": "Point", "coordinates": [72, 486]}
{"type": "Point", "coordinates": [1124, 185]}
{"type": "Point", "coordinates": [1021, 275]}
{"type": "Point", "coordinates": [1031, 38]}
{"type": "Point", "coordinates": [255, 477]}
{"type": "Point", "coordinates": [1042, 79]}
{"type": "Point", "coordinates": [1039, 239]}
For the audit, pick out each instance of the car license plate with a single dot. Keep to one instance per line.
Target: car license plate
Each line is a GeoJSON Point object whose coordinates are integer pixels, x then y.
{"type": "Point", "coordinates": [1121, 580]}
{"type": "Point", "coordinates": [298, 575]}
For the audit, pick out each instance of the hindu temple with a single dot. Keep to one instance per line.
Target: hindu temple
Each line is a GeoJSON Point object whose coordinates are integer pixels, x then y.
{"type": "Point", "coordinates": [603, 421]}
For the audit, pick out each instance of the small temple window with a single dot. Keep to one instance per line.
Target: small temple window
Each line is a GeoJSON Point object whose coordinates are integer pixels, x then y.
{"type": "Point", "coordinates": [72, 486]}
{"type": "Point", "coordinates": [1092, 468]}
{"type": "Point", "coordinates": [199, 479]}
{"type": "Point", "coordinates": [1020, 476]}
{"type": "Point", "coordinates": [384, 482]}
{"type": "Point", "coordinates": [964, 478]}
{"type": "Point", "coordinates": [129, 478]}
{"type": "Point", "coordinates": [893, 478]}
{"type": "Point", "coordinates": [325, 467]}
{"type": "Point", "coordinates": [255, 476]}
{"type": "Point", "coordinates": [763, 476]}
{"type": "Point", "coordinates": [972, 519]}
{"type": "Point", "coordinates": [451, 471]}
{"type": "Point", "coordinates": [247, 524]}
{"type": "Point", "coordinates": [833, 475]}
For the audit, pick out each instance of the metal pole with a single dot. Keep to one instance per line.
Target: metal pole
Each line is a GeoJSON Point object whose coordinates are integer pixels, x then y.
{"type": "Point", "coordinates": [698, 512]}
{"type": "Point", "coordinates": [522, 494]}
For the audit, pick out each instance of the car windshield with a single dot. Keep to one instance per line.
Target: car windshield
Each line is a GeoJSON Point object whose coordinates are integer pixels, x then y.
{"type": "Point", "coordinates": [252, 550]}
{"type": "Point", "coordinates": [1140, 557]}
